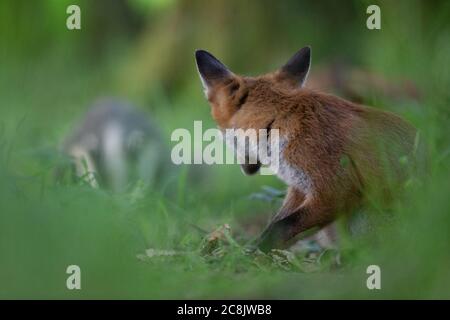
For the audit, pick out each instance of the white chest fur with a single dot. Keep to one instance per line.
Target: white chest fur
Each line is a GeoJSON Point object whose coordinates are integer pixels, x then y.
{"type": "Point", "coordinates": [292, 176]}
{"type": "Point", "coordinates": [273, 158]}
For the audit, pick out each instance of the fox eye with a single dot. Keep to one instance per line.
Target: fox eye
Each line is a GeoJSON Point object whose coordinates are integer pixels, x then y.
{"type": "Point", "coordinates": [243, 99]}
{"type": "Point", "coordinates": [233, 88]}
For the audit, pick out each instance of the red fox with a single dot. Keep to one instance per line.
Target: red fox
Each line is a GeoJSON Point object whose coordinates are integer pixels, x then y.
{"type": "Point", "coordinates": [332, 152]}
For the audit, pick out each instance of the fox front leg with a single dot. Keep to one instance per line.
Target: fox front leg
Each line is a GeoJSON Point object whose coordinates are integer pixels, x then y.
{"type": "Point", "coordinates": [297, 215]}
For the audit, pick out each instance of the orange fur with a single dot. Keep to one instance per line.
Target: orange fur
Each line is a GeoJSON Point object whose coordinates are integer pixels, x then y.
{"type": "Point", "coordinates": [344, 149]}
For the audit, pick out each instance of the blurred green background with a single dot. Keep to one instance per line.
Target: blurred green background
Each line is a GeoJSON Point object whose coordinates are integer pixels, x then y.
{"type": "Point", "coordinates": [143, 51]}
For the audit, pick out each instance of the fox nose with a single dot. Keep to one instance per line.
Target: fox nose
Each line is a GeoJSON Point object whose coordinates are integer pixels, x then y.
{"type": "Point", "coordinates": [250, 169]}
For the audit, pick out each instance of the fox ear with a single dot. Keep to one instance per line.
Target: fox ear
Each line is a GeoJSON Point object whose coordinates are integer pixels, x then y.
{"type": "Point", "coordinates": [210, 69]}
{"type": "Point", "coordinates": [297, 68]}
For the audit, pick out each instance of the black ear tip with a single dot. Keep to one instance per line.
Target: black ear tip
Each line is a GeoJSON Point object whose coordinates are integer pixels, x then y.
{"type": "Point", "coordinates": [203, 56]}
{"type": "Point", "coordinates": [306, 50]}
{"type": "Point", "coordinates": [199, 53]}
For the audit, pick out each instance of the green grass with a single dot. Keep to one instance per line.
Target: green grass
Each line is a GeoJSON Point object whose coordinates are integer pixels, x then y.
{"type": "Point", "coordinates": [44, 227]}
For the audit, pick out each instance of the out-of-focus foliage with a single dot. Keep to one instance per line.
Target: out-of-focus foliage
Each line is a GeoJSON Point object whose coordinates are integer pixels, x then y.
{"type": "Point", "coordinates": [143, 51]}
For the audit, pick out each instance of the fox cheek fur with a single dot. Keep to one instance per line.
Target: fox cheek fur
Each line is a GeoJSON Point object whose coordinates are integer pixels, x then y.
{"type": "Point", "coordinates": [316, 131]}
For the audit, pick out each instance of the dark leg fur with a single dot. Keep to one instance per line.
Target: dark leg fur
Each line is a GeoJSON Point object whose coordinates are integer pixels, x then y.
{"type": "Point", "coordinates": [295, 216]}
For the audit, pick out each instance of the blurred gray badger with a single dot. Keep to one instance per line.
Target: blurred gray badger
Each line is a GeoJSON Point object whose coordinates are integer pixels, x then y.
{"type": "Point", "coordinates": [116, 145]}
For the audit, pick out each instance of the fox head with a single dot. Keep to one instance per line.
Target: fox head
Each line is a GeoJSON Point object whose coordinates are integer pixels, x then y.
{"type": "Point", "coordinates": [248, 102]}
